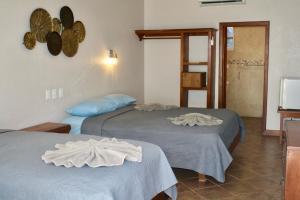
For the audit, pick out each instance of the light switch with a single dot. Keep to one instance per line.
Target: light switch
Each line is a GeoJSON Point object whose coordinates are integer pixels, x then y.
{"type": "Point", "coordinates": [60, 93]}
{"type": "Point", "coordinates": [54, 93]}
{"type": "Point", "coordinates": [47, 95]}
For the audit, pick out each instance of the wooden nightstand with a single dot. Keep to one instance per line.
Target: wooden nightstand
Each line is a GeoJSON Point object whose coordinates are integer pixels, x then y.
{"type": "Point", "coordinates": [50, 127]}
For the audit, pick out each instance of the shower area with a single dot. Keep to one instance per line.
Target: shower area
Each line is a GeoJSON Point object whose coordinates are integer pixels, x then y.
{"type": "Point", "coordinates": [245, 70]}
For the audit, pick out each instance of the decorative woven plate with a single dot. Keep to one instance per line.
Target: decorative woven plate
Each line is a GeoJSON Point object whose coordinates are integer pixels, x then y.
{"type": "Point", "coordinates": [56, 25]}
{"type": "Point", "coordinates": [40, 24]}
{"type": "Point", "coordinates": [66, 17]}
{"type": "Point", "coordinates": [29, 40]}
{"type": "Point", "coordinates": [54, 43]}
{"type": "Point", "coordinates": [69, 42]}
{"type": "Point", "coordinates": [79, 30]}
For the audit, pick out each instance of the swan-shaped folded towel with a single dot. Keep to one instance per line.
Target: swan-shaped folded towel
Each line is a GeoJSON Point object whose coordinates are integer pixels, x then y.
{"type": "Point", "coordinates": [94, 153]}
{"type": "Point", "coordinates": [154, 107]}
{"type": "Point", "coordinates": [196, 119]}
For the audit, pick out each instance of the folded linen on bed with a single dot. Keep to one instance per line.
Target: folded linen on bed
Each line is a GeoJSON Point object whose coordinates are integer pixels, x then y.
{"type": "Point", "coordinates": [94, 153]}
{"type": "Point", "coordinates": [154, 107]}
{"type": "Point", "coordinates": [196, 119]}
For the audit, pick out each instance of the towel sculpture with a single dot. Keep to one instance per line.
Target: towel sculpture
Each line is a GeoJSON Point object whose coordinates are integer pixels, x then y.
{"type": "Point", "coordinates": [93, 153]}
{"type": "Point", "coordinates": [154, 107]}
{"type": "Point", "coordinates": [196, 119]}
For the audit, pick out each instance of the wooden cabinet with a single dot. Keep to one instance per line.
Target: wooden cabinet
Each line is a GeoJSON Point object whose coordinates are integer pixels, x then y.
{"type": "Point", "coordinates": [291, 160]}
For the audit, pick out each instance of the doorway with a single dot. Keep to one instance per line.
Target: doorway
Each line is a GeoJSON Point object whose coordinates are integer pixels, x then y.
{"type": "Point", "coordinates": [243, 77]}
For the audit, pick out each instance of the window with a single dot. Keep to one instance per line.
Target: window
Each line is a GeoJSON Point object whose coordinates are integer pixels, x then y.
{"type": "Point", "coordinates": [230, 38]}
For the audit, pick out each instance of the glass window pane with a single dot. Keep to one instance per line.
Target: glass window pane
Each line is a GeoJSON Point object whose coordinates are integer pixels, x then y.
{"type": "Point", "coordinates": [230, 44]}
{"type": "Point", "coordinates": [230, 32]}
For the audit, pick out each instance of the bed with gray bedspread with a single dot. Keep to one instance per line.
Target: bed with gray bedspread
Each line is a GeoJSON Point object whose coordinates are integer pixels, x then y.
{"type": "Point", "coordinates": [24, 176]}
{"type": "Point", "coordinates": [202, 149]}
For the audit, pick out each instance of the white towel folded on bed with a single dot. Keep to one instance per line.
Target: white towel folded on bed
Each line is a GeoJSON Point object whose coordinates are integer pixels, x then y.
{"type": "Point", "coordinates": [196, 119]}
{"type": "Point", "coordinates": [154, 107]}
{"type": "Point", "coordinates": [106, 152]}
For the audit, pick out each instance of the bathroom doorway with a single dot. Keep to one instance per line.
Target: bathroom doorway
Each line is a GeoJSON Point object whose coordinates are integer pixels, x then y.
{"type": "Point", "coordinates": [244, 49]}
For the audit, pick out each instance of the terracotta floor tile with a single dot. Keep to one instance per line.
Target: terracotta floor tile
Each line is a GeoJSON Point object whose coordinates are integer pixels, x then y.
{"type": "Point", "coordinates": [242, 173]}
{"type": "Point", "coordinates": [194, 183]}
{"type": "Point", "coordinates": [181, 187]}
{"type": "Point", "coordinates": [256, 196]}
{"type": "Point", "coordinates": [228, 179]}
{"type": "Point", "coordinates": [188, 195]}
{"type": "Point", "coordinates": [214, 193]}
{"type": "Point", "coordinates": [263, 182]}
{"type": "Point", "coordinates": [240, 188]}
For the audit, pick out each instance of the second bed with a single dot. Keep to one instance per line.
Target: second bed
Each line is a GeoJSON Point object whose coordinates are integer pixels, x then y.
{"type": "Point", "coordinates": [204, 149]}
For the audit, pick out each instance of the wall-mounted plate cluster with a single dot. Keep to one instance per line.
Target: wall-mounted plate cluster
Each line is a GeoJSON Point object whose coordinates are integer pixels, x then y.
{"type": "Point", "coordinates": [60, 34]}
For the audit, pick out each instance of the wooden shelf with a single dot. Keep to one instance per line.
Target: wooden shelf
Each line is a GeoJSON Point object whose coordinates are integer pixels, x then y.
{"type": "Point", "coordinates": [209, 82]}
{"type": "Point", "coordinates": [165, 33]}
{"type": "Point", "coordinates": [190, 80]}
{"type": "Point", "coordinates": [196, 63]}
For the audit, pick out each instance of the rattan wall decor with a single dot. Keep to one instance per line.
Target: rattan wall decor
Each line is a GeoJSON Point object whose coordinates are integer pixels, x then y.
{"type": "Point", "coordinates": [60, 34]}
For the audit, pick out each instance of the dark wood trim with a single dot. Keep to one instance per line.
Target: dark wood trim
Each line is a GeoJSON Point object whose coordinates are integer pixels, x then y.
{"type": "Point", "coordinates": [266, 74]}
{"type": "Point", "coordinates": [245, 24]}
{"type": "Point", "coordinates": [273, 133]}
{"type": "Point", "coordinates": [212, 68]}
{"type": "Point", "coordinates": [223, 62]}
{"type": "Point", "coordinates": [184, 57]}
{"type": "Point", "coordinates": [222, 71]}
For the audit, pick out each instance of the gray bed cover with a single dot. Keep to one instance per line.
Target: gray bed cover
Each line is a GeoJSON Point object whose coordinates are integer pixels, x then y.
{"type": "Point", "coordinates": [5, 130]}
{"type": "Point", "coordinates": [24, 176]}
{"type": "Point", "coordinates": [202, 149]}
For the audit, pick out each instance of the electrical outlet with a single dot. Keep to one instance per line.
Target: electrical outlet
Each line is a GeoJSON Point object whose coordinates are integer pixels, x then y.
{"type": "Point", "coordinates": [60, 93]}
{"type": "Point", "coordinates": [54, 93]}
{"type": "Point", "coordinates": [47, 95]}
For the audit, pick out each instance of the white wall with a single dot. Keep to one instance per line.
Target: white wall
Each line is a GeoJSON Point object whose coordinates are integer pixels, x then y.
{"type": "Point", "coordinates": [284, 36]}
{"type": "Point", "coordinates": [162, 71]}
{"type": "Point", "coordinates": [164, 63]}
{"type": "Point", "coordinates": [25, 74]}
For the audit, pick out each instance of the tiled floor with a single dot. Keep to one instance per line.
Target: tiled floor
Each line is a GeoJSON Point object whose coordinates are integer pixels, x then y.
{"type": "Point", "coordinates": [254, 174]}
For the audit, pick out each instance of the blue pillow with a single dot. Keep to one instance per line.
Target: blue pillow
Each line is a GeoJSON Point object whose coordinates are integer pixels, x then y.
{"type": "Point", "coordinates": [120, 100]}
{"type": "Point", "coordinates": [92, 108]}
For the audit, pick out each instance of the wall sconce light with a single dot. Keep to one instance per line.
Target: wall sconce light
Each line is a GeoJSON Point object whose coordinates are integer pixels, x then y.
{"type": "Point", "coordinates": [112, 58]}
